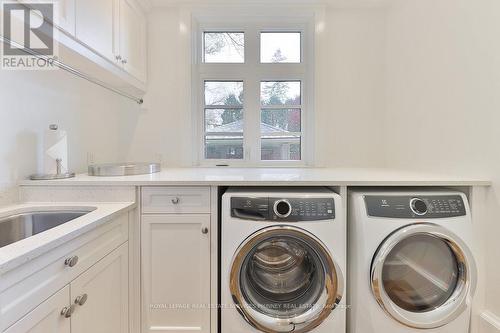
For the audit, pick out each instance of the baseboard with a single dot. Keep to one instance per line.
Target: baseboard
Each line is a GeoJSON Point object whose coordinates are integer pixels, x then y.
{"type": "Point", "coordinates": [490, 323]}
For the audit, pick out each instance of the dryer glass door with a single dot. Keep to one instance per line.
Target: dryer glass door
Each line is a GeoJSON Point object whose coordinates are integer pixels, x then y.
{"type": "Point", "coordinates": [422, 275]}
{"type": "Point", "coordinates": [283, 279]}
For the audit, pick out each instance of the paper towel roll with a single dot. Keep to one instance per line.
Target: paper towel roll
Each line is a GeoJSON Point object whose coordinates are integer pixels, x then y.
{"type": "Point", "coordinates": [55, 147]}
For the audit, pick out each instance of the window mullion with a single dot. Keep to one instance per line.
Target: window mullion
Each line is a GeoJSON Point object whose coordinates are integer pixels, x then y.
{"type": "Point", "coordinates": [281, 107]}
{"type": "Point", "coordinates": [252, 97]}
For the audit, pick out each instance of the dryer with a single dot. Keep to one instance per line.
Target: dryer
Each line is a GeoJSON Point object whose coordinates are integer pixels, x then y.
{"type": "Point", "coordinates": [283, 261]}
{"type": "Point", "coordinates": [411, 268]}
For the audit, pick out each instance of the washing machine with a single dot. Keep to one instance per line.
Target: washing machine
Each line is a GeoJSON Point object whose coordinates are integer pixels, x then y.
{"type": "Point", "coordinates": [411, 268]}
{"type": "Point", "coordinates": [283, 261]}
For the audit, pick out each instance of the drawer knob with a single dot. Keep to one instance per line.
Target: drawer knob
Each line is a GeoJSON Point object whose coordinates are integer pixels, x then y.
{"type": "Point", "coordinates": [204, 230]}
{"type": "Point", "coordinates": [66, 312]}
{"type": "Point", "coordinates": [176, 201]}
{"type": "Point", "coordinates": [81, 300]}
{"type": "Point", "coordinates": [71, 262]}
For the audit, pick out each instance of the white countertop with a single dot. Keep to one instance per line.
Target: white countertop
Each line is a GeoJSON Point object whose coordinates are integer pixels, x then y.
{"type": "Point", "coordinates": [224, 176]}
{"type": "Point", "coordinates": [27, 249]}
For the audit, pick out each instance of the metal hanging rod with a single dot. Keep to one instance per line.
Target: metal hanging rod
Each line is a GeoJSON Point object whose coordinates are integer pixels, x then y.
{"type": "Point", "coordinates": [72, 70]}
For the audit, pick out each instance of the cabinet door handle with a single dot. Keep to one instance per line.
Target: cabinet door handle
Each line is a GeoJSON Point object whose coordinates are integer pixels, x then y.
{"type": "Point", "coordinates": [71, 262]}
{"type": "Point", "coordinates": [81, 300]}
{"type": "Point", "coordinates": [66, 312]}
{"type": "Point", "coordinates": [176, 201]}
{"type": "Point", "coordinates": [204, 230]}
{"type": "Point", "coordinates": [124, 61]}
{"type": "Point", "coordinates": [118, 57]}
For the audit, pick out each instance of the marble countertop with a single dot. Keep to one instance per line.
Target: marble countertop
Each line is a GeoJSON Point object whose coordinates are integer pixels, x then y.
{"type": "Point", "coordinates": [20, 252]}
{"type": "Point", "coordinates": [224, 176]}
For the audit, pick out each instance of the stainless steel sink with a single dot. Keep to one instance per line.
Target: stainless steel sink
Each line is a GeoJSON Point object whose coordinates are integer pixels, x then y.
{"type": "Point", "coordinates": [20, 226]}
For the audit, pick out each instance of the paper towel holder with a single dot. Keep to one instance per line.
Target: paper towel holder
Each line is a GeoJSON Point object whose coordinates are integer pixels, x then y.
{"type": "Point", "coordinates": [58, 175]}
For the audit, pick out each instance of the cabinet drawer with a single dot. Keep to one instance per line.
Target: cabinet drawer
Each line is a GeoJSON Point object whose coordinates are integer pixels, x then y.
{"type": "Point", "coordinates": [46, 317]}
{"type": "Point", "coordinates": [27, 286]}
{"type": "Point", "coordinates": [175, 200]}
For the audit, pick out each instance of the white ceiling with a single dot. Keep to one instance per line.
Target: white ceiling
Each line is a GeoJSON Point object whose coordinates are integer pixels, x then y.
{"type": "Point", "coordinates": [339, 3]}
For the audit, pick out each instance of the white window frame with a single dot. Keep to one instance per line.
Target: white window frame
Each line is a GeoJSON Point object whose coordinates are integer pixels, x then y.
{"type": "Point", "coordinates": [252, 72]}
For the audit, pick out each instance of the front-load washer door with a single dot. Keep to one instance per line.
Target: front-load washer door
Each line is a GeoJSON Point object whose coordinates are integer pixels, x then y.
{"type": "Point", "coordinates": [423, 276]}
{"type": "Point", "coordinates": [283, 279]}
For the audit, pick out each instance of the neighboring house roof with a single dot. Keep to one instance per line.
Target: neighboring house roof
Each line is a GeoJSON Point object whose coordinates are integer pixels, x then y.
{"type": "Point", "coordinates": [265, 129]}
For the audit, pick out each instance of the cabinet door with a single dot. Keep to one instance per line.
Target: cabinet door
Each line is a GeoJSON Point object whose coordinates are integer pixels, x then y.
{"type": "Point", "coordinates": [104, 287]}
{"type": "Point", "coordinates": [97, 25]}
{"type": "Point", "coordinates": [133, 39]}
{"type": "Point", "coordinates": [176, 273]}
{"type": "Point", "coordinates": [46, 317]}
{"type": "Point", "coordinates": [66, 15]}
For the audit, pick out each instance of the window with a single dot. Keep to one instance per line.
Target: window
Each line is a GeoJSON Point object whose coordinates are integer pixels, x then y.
{"type": "Point", "coordinates": [223, 120]}
{"type": "Point", "coordinates": [281, 123]}
{"type": "Point", "coordinates": [224, 47]}
{"type": "Point", "coordinates": [254, 87]}
{"type": "Point", "coordinates": [280, 47]}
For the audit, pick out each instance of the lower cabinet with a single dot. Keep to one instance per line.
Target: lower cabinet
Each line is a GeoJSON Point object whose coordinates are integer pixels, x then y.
{"type": "Point", "coordinates": [46, 317]}
{"type": "Point", "coordinates": [176, 273]}
{"type": "Point", "coordinates": [95, 302]}
{"type": "Point", "coordinates": [100, 296]}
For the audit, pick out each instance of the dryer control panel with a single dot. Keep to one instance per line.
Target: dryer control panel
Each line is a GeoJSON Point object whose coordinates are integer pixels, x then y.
{"type": "Point", "coordinates": [283, 209]}
{"type": "Point", "coordinates": [428, 206]}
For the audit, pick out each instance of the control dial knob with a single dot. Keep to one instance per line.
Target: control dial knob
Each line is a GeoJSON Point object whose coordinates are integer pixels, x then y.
{"type": "Point", "coordinates": [418, 206]}
{"type": "Point", "coordinates": [282, 208]}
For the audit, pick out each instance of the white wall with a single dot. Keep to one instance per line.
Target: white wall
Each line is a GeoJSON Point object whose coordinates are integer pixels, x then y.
{"type": "Point", "coordinates": [349, 97]}
{"type": "Point", "coordinates": [443, 104]}
{"type": "Point", "coordinates": [164, 127]}
{"type": "Point", "coordinates": [350, 82]}
{"type": "Point", "coordinates": [97, 121]}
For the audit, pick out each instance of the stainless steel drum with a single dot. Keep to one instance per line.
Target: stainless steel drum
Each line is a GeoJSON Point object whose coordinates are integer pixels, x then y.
{"type": "Point", "coordinates": [283, 279]}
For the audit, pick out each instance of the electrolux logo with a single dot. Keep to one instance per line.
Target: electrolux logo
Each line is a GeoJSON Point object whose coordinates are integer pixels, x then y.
{"type": "Point", "coordinates": [28, 36]}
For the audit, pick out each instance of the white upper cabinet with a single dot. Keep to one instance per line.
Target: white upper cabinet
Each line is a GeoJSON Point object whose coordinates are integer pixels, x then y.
{"type": "Point", "coordinates": [66, 15]}
{"type": "Point", "coordinates": [116, 29]}
{"type": "Point", "coordinates": [133, 39]}
{"type": "Point", "coordinates": [111, 34]}
{"type": "Point", "coordinates": [97, 25]}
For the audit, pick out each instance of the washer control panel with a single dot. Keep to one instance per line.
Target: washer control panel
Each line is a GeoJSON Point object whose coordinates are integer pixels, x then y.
{"type": "Point", "coordinates": [428, 206]}
{"type": "Point", "coordinates": [283, 209]}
